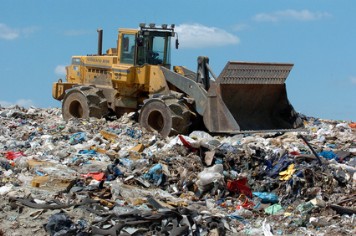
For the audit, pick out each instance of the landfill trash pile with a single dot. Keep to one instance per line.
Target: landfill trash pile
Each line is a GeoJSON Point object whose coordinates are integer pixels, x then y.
{"type": "Point", "coordinates": [109, 177]}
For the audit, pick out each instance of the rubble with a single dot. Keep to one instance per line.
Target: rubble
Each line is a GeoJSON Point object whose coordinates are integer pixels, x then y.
{"type": "Point", "coordinates": [99, 177]}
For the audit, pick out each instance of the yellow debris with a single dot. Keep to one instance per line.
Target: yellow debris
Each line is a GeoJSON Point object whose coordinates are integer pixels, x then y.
{"type": "Point", "coordinates": [37, 181]}
{"type": "Point", "coordinates": [32, 163]}
{"type": "Point", "coordinates": [108, 136]}
{"type": "Point", "coordinates": [138, 148]}
{"type": "Point", "coordinates": [287, 174]}
{"type": "Point", "coordinates": [99, 150]}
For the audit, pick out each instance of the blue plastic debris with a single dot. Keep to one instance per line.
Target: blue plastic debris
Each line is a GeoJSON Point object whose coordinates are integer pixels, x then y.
{"type": "Point", "coordinates": [5, 164]}
{"type": "Point", "coordinates": [227, 148]}
{"type": "Point", "coordinates": [328, 155]}
{"type": "Point", "coordinates": [136, 134]}
{"type": "Point", "coordinates": [87, 152]}
{"type": "Point", "coordinates": [77, 138]}
{"type": "Point", "coordinates": [155, 174]}
{"type": "Point", "coordinates": [126, 162]}
{"type": "Point", "coordinates": [39, 173]}
{"type": "Point", "coordinates": [266, 197]}
{"type": "Point", "coordinates": [236, 216]}
{"type": "Point", "coordinates": [113, 171]}
{"type": "Point", "coordinates": [331, 145]}
{"type": "Point", "coordinates": [282, 164]}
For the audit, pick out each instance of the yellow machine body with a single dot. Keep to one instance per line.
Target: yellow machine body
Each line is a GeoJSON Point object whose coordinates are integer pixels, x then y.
{"type": "Point", "coordinates": [115, 73]}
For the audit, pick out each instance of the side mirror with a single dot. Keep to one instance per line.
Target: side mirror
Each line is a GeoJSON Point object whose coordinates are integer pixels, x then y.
{"type": "Point", "coordinates": [177, 43]}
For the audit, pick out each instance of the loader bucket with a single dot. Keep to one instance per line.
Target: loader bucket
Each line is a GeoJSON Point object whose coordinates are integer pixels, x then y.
{"type": "Point", "coordinates": [250, 97]}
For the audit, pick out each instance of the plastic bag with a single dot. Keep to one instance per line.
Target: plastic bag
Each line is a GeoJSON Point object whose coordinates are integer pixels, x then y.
{"type": "Point", "coordinates": [266, 197]}
{"type": "Point", "coordinates": [59, 224]}
{"type": "Point", "coordinates": [77, 138]}
{"type": "Point", "coordinates": [239, 186]}
{"type": "Point", "coordinates": [328, 155]}
{"type": "Point", "coordinates": [274, 209]}
{"type": "Point", "coordinates": [210, 175]}
{"type": "Point", "coordinates": [155, 174]}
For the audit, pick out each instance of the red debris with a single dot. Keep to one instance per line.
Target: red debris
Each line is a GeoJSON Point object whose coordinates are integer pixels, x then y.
{"type": "Point", "coordinates": [10, 155]}
{"type": "Point", "coordinates": [186, 143]}
{"type": "Point", "coordinates": [353, 125]}
{"type": "Point", "coordinates": [239, 186]}
{"type": "Point", "coordinates": [97, 176]}
{"type": "Point", "coordinates": [294, 153]}
{"type": "Point", "coordinates": [246, 203]}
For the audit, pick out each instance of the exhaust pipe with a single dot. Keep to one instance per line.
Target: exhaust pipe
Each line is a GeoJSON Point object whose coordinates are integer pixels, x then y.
{"type": "Point", "coordinates": [100, 41]}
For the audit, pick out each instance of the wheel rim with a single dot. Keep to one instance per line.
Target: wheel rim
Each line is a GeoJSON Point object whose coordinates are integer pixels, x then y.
{"type": "Point", "coordinates": [76, 109]}
{"type": "Point", "coordinates": [155, 120]}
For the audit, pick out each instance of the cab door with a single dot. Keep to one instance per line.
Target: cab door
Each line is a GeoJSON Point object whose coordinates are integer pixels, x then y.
{"type": "Point", "coordinates": [127, 48]}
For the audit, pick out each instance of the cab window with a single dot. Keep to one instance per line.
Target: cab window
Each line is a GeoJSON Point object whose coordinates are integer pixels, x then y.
{"type": "Point", "coordinates": [157, 53]}
{"type": "Point", "coordinates": [127, 48]}
{"type": "Point", "coordinates": [154, 50]}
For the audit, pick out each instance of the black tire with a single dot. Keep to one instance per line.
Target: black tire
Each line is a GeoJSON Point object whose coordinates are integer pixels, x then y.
{"type": "Point", "coordinates": [84, 102]}
{"type": "Point", "coordinates": [168, 116]}
{"type": "Point", "coordinates": [156, 116]}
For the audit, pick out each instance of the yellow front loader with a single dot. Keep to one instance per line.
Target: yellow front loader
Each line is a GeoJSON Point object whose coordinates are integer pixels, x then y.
{"type": "Point", "coordinates": [137, 75]}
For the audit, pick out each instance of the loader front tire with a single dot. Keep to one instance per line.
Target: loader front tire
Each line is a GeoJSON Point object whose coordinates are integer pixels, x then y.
{"type": "Point", "coordinates": [156, 116]}
{"type": "Point", "coordinates": [166, 116]}
{"type": "Point", "coordinates": [84, 102]}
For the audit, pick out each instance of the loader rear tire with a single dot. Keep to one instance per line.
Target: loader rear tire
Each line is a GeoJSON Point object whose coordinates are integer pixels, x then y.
{"type": "Point", "coordinates": [84, 102]}
{"type": "Point", "coordinates": [167, 116]}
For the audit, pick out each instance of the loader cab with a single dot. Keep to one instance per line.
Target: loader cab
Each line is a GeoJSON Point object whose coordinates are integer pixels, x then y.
{"type": "Point", "coordinates": [149, 45]}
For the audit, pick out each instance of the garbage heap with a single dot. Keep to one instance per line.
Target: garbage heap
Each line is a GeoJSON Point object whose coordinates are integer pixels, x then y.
{"type": "Point", "coordinates": [109, 177]}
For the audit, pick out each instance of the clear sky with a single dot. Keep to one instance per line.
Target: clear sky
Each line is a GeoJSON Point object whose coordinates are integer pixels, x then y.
{"type": "Point", "coordinates": [38, 38]}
